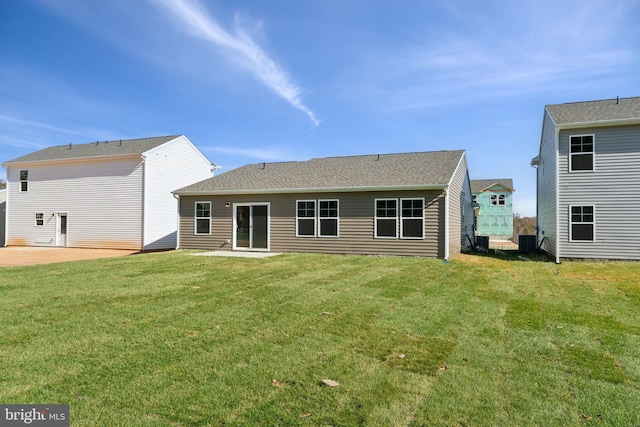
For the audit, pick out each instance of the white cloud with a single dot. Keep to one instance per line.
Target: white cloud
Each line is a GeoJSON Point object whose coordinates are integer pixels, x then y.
{"type": "Point", "coordinates": [263, 153]}
{"type": "Point", "coordinates": [195, 21]}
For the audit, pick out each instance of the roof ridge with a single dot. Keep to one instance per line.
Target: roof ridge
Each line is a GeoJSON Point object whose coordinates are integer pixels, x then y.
{"type": "Point", "coordinates": [618, 98]}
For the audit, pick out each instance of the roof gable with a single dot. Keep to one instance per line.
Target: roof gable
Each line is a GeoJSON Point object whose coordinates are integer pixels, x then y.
{"type": "Point", "coordinates": [499, 184]}
{"type": "Point", "coordinates": [619, 109]}
{"type": "Point", "coordinates": [420, 170]}
{"type": "Point", "coordinates": [95, 149]}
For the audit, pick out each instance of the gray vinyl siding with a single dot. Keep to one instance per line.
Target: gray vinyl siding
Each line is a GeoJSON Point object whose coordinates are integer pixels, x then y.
{"type": "Point", "coordinates": [613, 188]}
{"type": "Point", "coordinates": [102, 200]}
{"type": "Point", "coordinates": [356, 224]}
{"type": "Point", "coordinates": [460, 210]}
{"type": "Point", "coordinates": [547, 188]}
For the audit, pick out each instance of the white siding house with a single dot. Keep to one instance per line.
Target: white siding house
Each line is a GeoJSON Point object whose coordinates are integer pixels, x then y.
{"type": "Point", "coordinates": [114, 194]}
{"type": "Point", "coordinates": [588, 180]}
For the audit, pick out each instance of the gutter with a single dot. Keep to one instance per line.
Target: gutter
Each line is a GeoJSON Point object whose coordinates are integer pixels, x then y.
{"type": "Point", "coordinates": [308, 190]}
{"type": "Point", "coordinates": [73, 159]}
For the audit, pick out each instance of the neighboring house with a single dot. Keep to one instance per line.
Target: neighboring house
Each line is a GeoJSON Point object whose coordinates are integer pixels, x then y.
{"type": "Point", "coordinates": [588, 179]}
{"type": "Point", "coordinates": [415, 204]}
{"type": "Point", "coordinates": [3, 211]}
{"type": "Point", "coordinates": [494, 214]}
{"type": "Point", "coordinates": [114, 194]}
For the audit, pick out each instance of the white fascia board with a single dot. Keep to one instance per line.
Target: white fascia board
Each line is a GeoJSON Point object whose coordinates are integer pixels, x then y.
{"type": "Point", "coordinates": [311, 190]}
{"type": "Point", "coordinates": [603, 123]}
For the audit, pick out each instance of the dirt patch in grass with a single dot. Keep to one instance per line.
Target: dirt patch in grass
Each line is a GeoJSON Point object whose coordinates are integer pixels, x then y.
{"type": "Point", "coordinates": [15, 256]}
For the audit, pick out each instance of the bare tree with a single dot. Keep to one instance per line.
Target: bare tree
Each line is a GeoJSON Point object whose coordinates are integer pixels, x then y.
{"type": "Point", "coordinates": [523, 225]}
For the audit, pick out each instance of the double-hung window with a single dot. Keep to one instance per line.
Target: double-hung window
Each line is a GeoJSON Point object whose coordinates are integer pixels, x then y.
{"type": "Point", "coordinates": [386, 220]}
{"type": "Point", "coordinates": [328, 218]}
{"type": "Point", "coordinates": [581, 153]}
{"type": "Point", "coordinates": [202, 218]}
{"type": "Point", "coordinates": [581, 223]}
{"type": "Point", "coordinates": [412, 218]}
{"type": "Point", "coordinates": [306, 218]}
{"type": "Point", "coordinates": [498, 200]}
{"type": "Point", "coordinates": [39, 219]}
{"type": "Point", "coordinates": [24, 181]}
{"type": "Point", "coordinates": [317, 218]}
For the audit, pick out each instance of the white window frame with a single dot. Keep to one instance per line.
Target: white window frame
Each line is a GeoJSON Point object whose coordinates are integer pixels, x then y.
{"type": "Point", "coordinates": [402, 236]}
{"type": "Point", "coordinates": [571, 223]}
{"type": "Point", "coordinates": [196, 217]}
{"type": "Point", "coordinates": [320, 218]}
{"type": "Point", "coordinates": [376, 218]}
{"type": "Point", "coordinates": [592, 152]}
{"type": "Point", "coordinates": [24, 181]}
{"type": "Point", "coordinates": [41, 219]}
{"type": "Point", "coordinates": [314, 218]}
{"type": "Point", "coordinates": [498, 199]}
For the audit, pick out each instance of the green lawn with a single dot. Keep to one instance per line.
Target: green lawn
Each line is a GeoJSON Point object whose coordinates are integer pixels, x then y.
{"type": "Point", "coordinates": [178, 340]}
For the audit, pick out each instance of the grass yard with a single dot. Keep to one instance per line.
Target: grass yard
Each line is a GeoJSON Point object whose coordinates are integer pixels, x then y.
{"type": "Point", "coordinates": [172, 339]}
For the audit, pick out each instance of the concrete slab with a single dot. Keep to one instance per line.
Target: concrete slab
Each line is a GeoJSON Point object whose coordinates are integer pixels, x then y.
{"type": "Point", "coordinates": [239, 254]}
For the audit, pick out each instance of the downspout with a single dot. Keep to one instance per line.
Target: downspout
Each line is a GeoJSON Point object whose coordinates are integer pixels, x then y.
{"type": "Point", "coordinates": [177, 197]}
{"type": "Point", "coordinates": [143, 221]}
{"type": "Point", "coordinates": [446, 223]}
{"type": "Point", "coordinates": [557, 195]}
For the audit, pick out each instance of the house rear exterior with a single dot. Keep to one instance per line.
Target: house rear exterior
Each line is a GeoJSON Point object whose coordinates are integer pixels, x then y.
{"type": "Point", "coordinates": [494, 216]}
{"type": "Point", "coordinates": [588, 180]}
{"type": "Point", "coordinates": [416, 204]}
{"type": "Point", "coordinates": [114, 194]}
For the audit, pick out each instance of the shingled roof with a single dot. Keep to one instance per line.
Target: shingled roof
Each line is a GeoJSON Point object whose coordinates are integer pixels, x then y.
{"type": "Point", "coordinates": [618, 109]}
{"type": "Point", "coordinates": [478, 185]}
{"type": "Point", "coordinates": [94, 149]}
{"type": "Point", "coordinates": [350, 173]}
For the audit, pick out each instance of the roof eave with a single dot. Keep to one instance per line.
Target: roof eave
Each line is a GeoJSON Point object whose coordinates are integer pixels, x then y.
{"type": "Point", "coordinates": [614, 122]}
{"type": "Point", "coordinates": [309, 190]}
{"type": "Point", "coordinates": [73, 159]}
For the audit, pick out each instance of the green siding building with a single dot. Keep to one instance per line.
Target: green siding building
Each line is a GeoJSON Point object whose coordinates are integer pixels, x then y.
{"type": "Point", "coordinates": [494, 210]}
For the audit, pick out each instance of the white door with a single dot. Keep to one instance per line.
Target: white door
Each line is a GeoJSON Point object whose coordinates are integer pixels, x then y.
{"type": "Point", "coordinates": [61, 235]}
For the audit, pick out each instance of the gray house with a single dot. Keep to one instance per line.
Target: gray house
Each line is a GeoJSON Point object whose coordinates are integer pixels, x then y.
{"type": "Point", "coordinates": [588, 180]}
{"type": "Point", "coordinates": [415, 204]}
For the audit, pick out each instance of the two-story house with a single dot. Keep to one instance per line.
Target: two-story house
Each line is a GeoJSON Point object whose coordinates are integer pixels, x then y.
{"type": "Point", "coordinates": [588, 180]}
{"type": "Point", "coordinates": [494, 213]}
{"type": "Point", "coordinates": [112, 194]}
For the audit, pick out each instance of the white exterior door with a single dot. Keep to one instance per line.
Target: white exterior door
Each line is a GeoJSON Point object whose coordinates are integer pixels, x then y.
{"type": "Point", "coordinates": [61, 234]}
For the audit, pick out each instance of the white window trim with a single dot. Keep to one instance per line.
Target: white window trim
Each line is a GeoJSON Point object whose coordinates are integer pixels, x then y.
{"type": "Point", "coordinates": [196, 218]}
{"type": "Point", "coordinates": [592, 223]}
{"type": "Point", "coordinates": [36, 219]}
{"type": "Point", "coordinates": [401, 217]}
{"type": "Point", "coordinates": [314, 218]}
{"type": "Point", "coordinates": [337, 218]}
{"type": "Point", "coordinates": [593, 154]}
{"type": "Point", "coordinates": [375, 219]}
{"type": "Point", "coordinates": [20, 190]}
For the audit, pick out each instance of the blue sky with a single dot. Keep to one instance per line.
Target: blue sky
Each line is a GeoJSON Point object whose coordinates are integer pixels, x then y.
{"type": "Point", "coordinates": [253, 81]}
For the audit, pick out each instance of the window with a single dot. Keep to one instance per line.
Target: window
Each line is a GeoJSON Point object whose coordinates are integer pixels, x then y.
{"type": "Point", "coordinates": [412, 218]}
{"type": "Point", "coordinates": [328, 218]}
{"type": "Point", "coordinates": [39, 219]}
{"type": "Point", "coordinates": [386, 220]}
{"type": "Point", "coordinates": [306, 218]}
{"type": "Point", "coordinates": [498, 199]}
{"type": "Point", "coordinates": [203, 218]}
{"type": "Point", "coordinates": [582, 223]}
{"type": "Point", "coordinates": [581, 153]}
{"type": "Point", "coordinates": [24, 181]}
